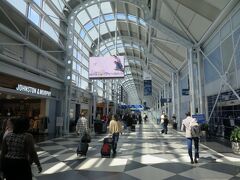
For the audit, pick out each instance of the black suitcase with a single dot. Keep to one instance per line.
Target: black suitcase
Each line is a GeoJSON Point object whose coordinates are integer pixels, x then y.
{"type": "Point", "coordinates": [82, 148]}
{"type": "Point", "coordinates": [107, 140]}
{"type": "Point", "coordinates": [98, 127]}
{"type": "Point", "coordinates": [133, 128]}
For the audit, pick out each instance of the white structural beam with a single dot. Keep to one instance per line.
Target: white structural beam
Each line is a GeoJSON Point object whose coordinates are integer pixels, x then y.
{"type": "Point", "coordinates": [152, 58]}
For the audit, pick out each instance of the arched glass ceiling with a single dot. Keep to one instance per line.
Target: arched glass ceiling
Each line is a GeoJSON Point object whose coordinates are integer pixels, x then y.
{"type": "Point", "coordinates": [91, 27]}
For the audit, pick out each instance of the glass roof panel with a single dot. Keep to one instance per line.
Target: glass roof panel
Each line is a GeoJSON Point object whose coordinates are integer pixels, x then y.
{"type": "Point", "coordinates": [109, 17]}
{"type": "Point", "coordinates": [132, 18]}
{"type": "Point", "coordinates": [102, 47]}
{"type": "Point", "coordinates": [88, 41]}
{"type": "Point", "coordinates": [93, 11]}
{"type": "Point", "coordinates": [106, 8]}
{"type": "Point", "coordinates": [89, 25]}
{"type": "Point", "coordinates": [59, 4]}
{"type": "Point", "coordinates": [111, 25]}
{"type": "Point", "coordinates": [121, 50]}
{"type": "Point", "coordinates": [103, 29]}
{"type": "Point", "coordinates": [93, 33]}
{"type": "Point", "coordinates": [121, 16]}
{"type": "Point", "coordinates": [83, 17]}
{"type": "Point", "coordinates": [77, 27]}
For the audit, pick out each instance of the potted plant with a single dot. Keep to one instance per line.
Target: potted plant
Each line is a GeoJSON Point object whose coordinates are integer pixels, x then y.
{"type": "Point", "coordinates": [235, 140]}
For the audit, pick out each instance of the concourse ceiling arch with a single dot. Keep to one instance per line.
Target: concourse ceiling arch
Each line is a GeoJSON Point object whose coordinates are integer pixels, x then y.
{"type": "Point", "coordinates": [154, 34]}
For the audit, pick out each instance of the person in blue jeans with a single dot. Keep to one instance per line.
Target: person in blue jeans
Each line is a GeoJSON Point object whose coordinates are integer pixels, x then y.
{"type": "Point", "coordinates": [186, 127]}
{"type": "Point", "coordinates": [115, 128]}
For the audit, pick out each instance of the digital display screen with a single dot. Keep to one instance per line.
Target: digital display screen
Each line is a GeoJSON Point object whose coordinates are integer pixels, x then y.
{"type": "Point", "coordinates": [106, 67]}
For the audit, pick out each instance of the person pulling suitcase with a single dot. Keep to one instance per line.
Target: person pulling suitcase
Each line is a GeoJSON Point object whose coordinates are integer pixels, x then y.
{"type": "Point", "coordinates": [82, 130]}
{"type": "Point", "coordinates": [115, 128]}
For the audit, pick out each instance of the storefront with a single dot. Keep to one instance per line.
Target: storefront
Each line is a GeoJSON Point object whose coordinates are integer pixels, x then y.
{"type": "Point", "coordinates": [20, 97]}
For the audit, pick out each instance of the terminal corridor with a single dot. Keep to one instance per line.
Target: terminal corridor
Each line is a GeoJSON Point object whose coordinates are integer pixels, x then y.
{"type": "Point", "coordinates": [144, 154]}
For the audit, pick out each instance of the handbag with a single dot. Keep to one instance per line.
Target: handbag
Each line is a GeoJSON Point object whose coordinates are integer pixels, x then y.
{"type": "Point", "coordinates": [86, 138]}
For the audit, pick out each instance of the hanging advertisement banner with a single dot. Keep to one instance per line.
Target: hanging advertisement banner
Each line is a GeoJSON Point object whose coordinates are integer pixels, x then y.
{"type": "Point", "coordinates": [147, 87]}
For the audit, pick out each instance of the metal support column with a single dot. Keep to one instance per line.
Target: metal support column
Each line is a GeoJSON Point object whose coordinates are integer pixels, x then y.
{"type": "Point", "coordinates": [165, 96]}
{"type": "Point", "coordinates": [200, 81]}
{"type": "Point", "coordinates": [173, 94]}
{"type": "Point", "coordinates": [178, 114]}
{"type": "Point", "coordinates": [191, 80]}
{"type": "Point", "coordinates": [94, 100]}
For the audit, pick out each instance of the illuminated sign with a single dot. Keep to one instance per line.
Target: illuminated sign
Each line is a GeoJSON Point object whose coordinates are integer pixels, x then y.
{"type": "Point", "coordinates": [106, 67]}
{"type": "Point", "coordinates": [33, 90]}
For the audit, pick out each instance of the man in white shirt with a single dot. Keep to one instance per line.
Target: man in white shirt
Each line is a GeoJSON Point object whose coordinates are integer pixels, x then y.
{"type": "Point", "coordinates": [186, 127]}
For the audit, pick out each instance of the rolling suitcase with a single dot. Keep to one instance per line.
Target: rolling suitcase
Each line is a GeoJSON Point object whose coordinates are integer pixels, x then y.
{"type": "Point", "coordinates": [133, 128]}
{"type": "Point", "coordinates": [82, 148]}
{"type": "Point", "coordinates": [106, 147]}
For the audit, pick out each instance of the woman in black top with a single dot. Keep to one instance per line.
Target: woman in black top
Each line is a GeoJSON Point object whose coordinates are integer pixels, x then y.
{"type": "Point", "coordinates": [18, 152]}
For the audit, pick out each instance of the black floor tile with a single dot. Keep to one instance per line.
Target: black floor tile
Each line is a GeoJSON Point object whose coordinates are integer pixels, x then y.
{"type": "Point", "coordinates": [133, 165]}
{"type": "Point", "coordinates": [173, 167]}
{"type": "Point", "coordinates": [223, 168]}
{"type": "Point", "coordinates": [71, 175]}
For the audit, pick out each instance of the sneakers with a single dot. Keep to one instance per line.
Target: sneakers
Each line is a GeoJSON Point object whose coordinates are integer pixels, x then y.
{"type": "Point", "coordinates": [195, 161]}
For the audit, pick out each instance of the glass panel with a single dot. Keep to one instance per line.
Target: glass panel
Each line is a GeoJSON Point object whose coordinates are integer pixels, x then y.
{"type": "Point", "coordinates": [51, 14]}
{"type": "Point", "coordinates": [77, 27]}
{"type": "Point", "coordinates": [78, 68]}
{"type": "Point", "coordinates": [132, 18]}
{"type": "Point", "coordinates": [88, 26]}
{"type": "Point", "coordinates": [75, 40]}
{"type": "Point", "coordinates": [84, 84]}
{"type": "Point", "coordinates": [83, 17]}
{"type": "Point", "coordinates": [93, 33]}
{"type": "Point", "coordinates": [111, 25]}
{"type": "Point", "coordinates": [84, 73]}
{"type": "Point", "coordinates": [236, 36]}
{"type": "Point", "coordinates": [50, 31]}
{"type": "Point", "coordinates": [142, 22]}
{"type": "Point", "coordinates": [79, 55]}
{"type": "Point", "coordinates": [121, 16]}
{"type": "Point", "coordinates": [88, 41]}
{"type": "Point", "coordinates": [102, 47]}
{"type": "Point", "coordinates": [74, 77]}
{"type": "Point", "coordinates": [103, 29]}
{"type": "Point", "coordinates": [93, 11]}
{"type": "Point", "coordinates": [74, 65]}
{"type": "Point", "coordinates": [109, 44]}
{"type": "Point", "coordinates": [34, 16]}
{"type": "Point", "coordinates": [108, 17]}
{"type": "Point", "coordinates": [20, 5]}
{"type": "Point", "coordinates": [121, 50]}
{"type": "Point", "coordinates": [82, 33]}
{"type": "Point", "coordinates": [85, 62]}
{"type": "Point", "coordinates": [38, 2]}
{"type": "Point", "coordinates": [75, 52]}
{"type": "Point", "coordinates": [106, 8]}
{"type": "Point", "coordinates": [59, 4]}
{"type": "Point", "coordinates": [85, 51]}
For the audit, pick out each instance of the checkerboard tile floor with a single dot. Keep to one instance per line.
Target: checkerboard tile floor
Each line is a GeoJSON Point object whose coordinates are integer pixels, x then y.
{"type": "Point", "coordinates": [143, 154]}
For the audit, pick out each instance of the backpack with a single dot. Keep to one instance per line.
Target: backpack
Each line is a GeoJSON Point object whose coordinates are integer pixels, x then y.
{"type": "Point", "coordinates": [195, 129]}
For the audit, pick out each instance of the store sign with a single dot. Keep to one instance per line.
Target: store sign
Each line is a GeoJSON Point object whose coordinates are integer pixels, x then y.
{"type": "Point", "coordinates": [33, 90]}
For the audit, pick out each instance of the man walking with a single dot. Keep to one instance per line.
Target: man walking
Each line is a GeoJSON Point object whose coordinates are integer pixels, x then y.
{"type": "Point", "coordinates": [186, 126]}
